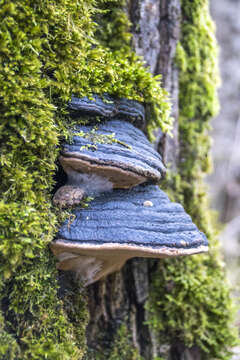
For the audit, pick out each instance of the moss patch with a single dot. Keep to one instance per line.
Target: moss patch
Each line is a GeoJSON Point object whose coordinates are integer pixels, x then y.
{"type": "Point", "coordinates": [190, 300]}
{"type": "Point", "coordinates": [122, 348]}
{"type": "Point", "coordinates": [46, 324]}
{"type": "Point", "coordinates": [49, 51]}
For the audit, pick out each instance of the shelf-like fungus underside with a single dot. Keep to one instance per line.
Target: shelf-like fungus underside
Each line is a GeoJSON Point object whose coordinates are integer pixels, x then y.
{"type": "Point", "coordinates": [115, 150]}
{"type": "Point", "coordinates": [118, 225]}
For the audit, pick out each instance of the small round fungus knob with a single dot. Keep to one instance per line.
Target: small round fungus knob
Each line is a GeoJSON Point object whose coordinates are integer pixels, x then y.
{"type": "Point", "coordinates": [68, 195]}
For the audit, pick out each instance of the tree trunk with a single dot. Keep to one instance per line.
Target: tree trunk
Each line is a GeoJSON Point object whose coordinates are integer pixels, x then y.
{"type": "Point", "coordinates": [57, 52]}
{"type": "Point", "coordinates": [122, 296]}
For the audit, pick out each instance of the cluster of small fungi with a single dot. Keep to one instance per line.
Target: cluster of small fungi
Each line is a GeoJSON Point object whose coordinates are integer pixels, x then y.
{"type": "Point", "coordinates": [129, 215]}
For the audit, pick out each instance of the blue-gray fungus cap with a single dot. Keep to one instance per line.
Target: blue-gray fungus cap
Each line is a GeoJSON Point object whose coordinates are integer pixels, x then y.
{"type": "Point", "coordinates": [119, 225]}
{"type": "Point", "coordinates": [115, 150]}
{"type": "Point", "coordinates": [109, 107]}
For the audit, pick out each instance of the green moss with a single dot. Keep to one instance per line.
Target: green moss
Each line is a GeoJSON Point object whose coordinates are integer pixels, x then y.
{"type": "Point", "coordinates": [138, 83]}
{"type": "Point", "coordinates": [9, 348]}
{"type": "Point", "coordinates": [191, 305]}
{"type": "Point", "coordinates": [48, 54]}
{"type": "Point", "coordinates": [190, 300]}
{"type": "Point", "coordinates": [49, 51]}
{"type": "Point", "coordinates": [121, 348]}
{"type": "Point", "coordinates": [95, 138]}
{"type": "Point", "coordinates": [48, 326]}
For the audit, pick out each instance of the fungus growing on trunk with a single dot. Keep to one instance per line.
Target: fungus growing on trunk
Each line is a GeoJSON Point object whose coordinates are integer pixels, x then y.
{"type": "Point", "coordinates": [68, 195]}
{"type": "Point", "coordinates": [115, 150]}
{"type": "Point", "coordinates": [134, 221]}
{"type": "Point", "coordinates": [122, 224]}
{"type": "Point", "coordinates": [114, 154]}
{"type": "Point", "coordinates": [109, 107]}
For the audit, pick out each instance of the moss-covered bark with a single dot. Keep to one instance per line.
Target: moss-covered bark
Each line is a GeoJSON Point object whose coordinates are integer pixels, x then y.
{"type": "Point", "coordinates": [49, 51]}
{"type": "Point", "coordinates": [190, 299]}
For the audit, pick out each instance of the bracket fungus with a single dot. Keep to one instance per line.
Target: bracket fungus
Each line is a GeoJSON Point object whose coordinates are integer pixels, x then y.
{"type": "Point", "coordinates": [109, 107]}
{"type": "Point", "coordinates": [114, 154]}
{"type": "Point", "coordinates": [119, 225]}
{"type": "Point", "coordinates": [129, 216]}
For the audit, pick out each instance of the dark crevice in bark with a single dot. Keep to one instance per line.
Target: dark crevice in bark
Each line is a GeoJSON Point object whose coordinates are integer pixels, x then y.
{"type": "Point", "coordinates": [108, 307]}
{"type": "Point", "coordinates": [60, 178]}
{"type": "Point", "coordinates": [179, 352]}
{"type": "Point", "coordinates": [118, 299]}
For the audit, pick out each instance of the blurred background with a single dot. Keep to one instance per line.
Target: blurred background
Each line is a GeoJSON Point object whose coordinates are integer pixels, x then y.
{"type": "Point", "coordinates": [225, 181]}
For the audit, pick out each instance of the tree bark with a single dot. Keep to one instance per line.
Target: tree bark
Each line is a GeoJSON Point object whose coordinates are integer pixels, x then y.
{"type": "Point", "coordinates": [121, 297]}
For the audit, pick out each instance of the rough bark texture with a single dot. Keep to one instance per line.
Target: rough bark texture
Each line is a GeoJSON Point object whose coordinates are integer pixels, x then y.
{"type": "Point", "coordinates": [118, 299]}
{"type": "Point", "coordinates": [169, 28]}
{"type": "Point", "coordinates": [121, 297]}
